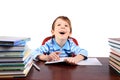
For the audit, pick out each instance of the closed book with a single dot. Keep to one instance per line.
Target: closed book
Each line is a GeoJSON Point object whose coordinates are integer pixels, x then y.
{"type": "Point", "coordinates": [18, 64]}
{"type": "Point", "coordinates": [13, 73]}
{"type": "Point", "coordinates": [10, 48]}
{"type": "Point", "coordinates": [11, 64]}
{"type": "Point", "coordinates": [114, 56]}
{"type": "Point", "coordinates": [115, 51]}
{"type": "Point", "coordinates": [11, 54]}
{"type": "Point", "coordinates": [13, 76]}
{"type": "Point", "coordinates": [4, 60]}
{"type": "Point", "coordinates": [14, 60]}
{"type": "Point", "coordinates": [12, 68]}
{"type": "Point", "coordinates": [114, 45]}
{"type": "Point", "coordinates": [13, 41]}
{"type": "Point", "coordinates": [114, 40]}
{"type": "Point", "coordinates": [114, 60]}
{"type": "Point", "coordinates": [115, 66]}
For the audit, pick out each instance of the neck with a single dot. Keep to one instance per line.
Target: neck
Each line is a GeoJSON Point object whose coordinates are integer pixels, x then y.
{"type": "Point", "coordinates": [60, 42]}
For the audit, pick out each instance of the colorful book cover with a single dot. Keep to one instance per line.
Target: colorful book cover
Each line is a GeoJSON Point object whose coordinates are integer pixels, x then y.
{"type": "Point", "coordinates": [11, 64]}
{"type": "Point", "coordinates": [115, 66]}
{"type": "Point", "coordinates": [13, 41]}
{"type": "Point", "coordinates": [114, 40]}
{"type": "Point", "coordinates": [114, 56]}
{"type": "Point", "coordinates": [12, 73]}
{"type": "Point", "coordinates": [12, 68]}
{"type": "Point", "coordinates": [14, 48]}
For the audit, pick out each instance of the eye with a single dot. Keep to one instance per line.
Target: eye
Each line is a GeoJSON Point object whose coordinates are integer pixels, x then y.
{"type": "Point", "coordinates": [58, 24]}
{"type": "Point", "coordinates": [66, 25]}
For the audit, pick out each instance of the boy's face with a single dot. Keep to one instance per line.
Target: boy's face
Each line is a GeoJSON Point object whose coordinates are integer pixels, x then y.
{"type": "Point", "coordinates": [61, 30]}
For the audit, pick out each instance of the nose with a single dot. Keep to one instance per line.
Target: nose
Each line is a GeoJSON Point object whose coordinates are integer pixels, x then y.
{"type": "Point", "coordinates": [62, 27]}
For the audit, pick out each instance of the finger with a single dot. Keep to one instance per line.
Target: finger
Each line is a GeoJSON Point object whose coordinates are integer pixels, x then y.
{"type": "Point", "coordinates": [49, 58]}
{"type": "Point", "coordinates": [58, 52]}
{"type": "Point", "coordinates": [57, 55]}
{"type": "Point", "coordinates": [70, 60]}
{"type": "Point", "coordinates": [54, 56]}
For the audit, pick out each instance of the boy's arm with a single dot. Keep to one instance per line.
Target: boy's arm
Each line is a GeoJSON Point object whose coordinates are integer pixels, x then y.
{"type": "Point", "coordinates": [43, 57]}
{"type": "Point", "coordinates": [50, 57]}
{"type": "Point", "coordinates": [78, 58]}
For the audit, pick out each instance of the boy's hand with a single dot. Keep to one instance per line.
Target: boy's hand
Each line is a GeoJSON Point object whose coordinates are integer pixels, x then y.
{"type": "Point", "coordinates": [54, 56]}
{"type": "Point", "coordinates": [72, 60]}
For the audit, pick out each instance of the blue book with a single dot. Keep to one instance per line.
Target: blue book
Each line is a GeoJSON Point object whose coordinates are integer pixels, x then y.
{"type": "Point", "coordinates": [12, 48]}
{"type": "Point", "coordinates": [13, 41]}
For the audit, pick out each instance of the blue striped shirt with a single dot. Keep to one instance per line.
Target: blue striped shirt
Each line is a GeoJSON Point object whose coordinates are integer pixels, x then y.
{"type": "Point", "coordinates": [69, 48]}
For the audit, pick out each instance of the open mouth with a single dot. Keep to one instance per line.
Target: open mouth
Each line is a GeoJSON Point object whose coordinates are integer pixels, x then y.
{"type": "Point", "coordinates": [62, 33]}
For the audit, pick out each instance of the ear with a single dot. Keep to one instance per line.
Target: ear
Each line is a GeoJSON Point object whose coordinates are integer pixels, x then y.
{"type": "Point", "coordinates": [52, 32]}
{"type": "Point", "coordinates": [70, 34]}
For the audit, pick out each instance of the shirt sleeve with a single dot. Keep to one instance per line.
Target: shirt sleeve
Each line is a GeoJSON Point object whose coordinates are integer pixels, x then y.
{"type": "Point", "coordinates": [41, 50]}
{"type": "Point", "coordinates": [77, 50]}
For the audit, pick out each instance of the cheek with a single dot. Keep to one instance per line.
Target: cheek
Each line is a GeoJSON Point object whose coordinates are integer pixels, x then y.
{"type": "Point", "coordinates": [55, 33]}
{"type": "Point", "coordinates": [68, 30]}
{"type": "Point", "coordinates": [57, 29]}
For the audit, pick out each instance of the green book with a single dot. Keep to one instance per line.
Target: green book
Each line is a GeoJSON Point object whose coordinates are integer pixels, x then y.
{"type": "Point", "coordinates": [11, 64]}
{"type": "Point", "coordinates": [11, 54]}
{"type": "Point", "coordinates": [14, 68]}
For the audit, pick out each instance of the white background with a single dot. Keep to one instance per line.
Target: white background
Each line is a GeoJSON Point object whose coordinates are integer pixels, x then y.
{"type": "Point", "coordinates": [93, 21]}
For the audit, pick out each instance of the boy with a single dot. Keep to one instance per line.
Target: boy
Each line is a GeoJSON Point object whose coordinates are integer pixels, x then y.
{"type": "Point", "coordinates": [61, 45]}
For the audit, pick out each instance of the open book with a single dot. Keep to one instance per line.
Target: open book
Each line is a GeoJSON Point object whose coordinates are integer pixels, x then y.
{"type": "Point", "coordinates": [89, 61]}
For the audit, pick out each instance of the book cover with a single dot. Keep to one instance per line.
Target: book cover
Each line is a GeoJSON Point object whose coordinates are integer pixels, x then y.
{"type": "Point", "coordinates": [21, 72]}
{"type": "Point", "coordinates": [6, 60]}
{"type": "Point", "coordinates": [115, 61]}
{"type": "Point", "coordinates": [17, 72]}
{"type": "Point", "coordinates": [117, 67]}
{"type": "Point", "coordinates": [11, 64]}
{"type": "Point", "coordinates": [12, 68]}
{"type": "Point", "coordinates": [17, 64]}
{"type": "Point", "coordinates": [114, 56]}
{"type": "Point", "coordinates": [10, 48]}
{"type": "Point", "coordinates": [114, 40]}
{"type": "Point", "coordinates": [115, 49]}
{"type": "Point", "coordinates": [115, 52]}
{"type": "Point", "coordinates": [24, 53]}
{"type": "Point", "coordinates": [13, 76]}
{"type": "Point", "coordinates": [13, 41]}
{"type": "Point", "coordinates": [25, 58]}
{"type": "Point", "coordinates": [11, 54]}
{"type": "Point", "coordinates": [114, 45]}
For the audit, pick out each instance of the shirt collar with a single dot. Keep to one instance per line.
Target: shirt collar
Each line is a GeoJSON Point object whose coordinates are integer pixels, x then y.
{"type": "Point", "coordinates": [57, 47]}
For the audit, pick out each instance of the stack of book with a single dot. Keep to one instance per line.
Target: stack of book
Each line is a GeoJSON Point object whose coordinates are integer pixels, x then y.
{"type": "Point", "coordinates": [15, 57]}
{"type": "Point", "coordinates": [114, 57]}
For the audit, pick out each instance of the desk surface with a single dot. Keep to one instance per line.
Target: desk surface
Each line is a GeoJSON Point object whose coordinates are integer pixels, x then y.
{"type": "Point", "coordinates": [63, 71]}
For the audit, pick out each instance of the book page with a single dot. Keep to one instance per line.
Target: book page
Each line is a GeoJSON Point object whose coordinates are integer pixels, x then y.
{"type": "Point", "coordinates": [89, 61]}
{"type": "Point", "coordinates": [51, 62]}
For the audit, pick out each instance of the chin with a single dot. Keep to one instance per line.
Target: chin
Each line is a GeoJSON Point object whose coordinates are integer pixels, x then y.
{"type": "Point", "coordinates": [63, 38]}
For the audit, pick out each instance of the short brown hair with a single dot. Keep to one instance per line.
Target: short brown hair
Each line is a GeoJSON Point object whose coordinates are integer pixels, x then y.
{"type": "Point", "coordinates": [65, 19]}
